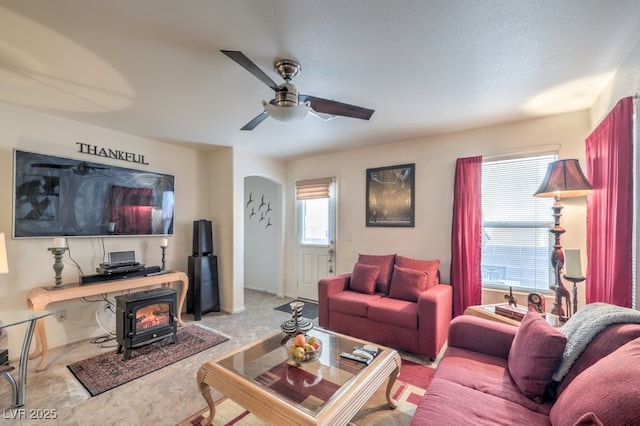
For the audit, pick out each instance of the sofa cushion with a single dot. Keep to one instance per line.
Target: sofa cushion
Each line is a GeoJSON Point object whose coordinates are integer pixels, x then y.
{"type": "Point", "coordinates": [535, 354]}
{"type": "Point", "coordinates": [407, 284]}
{"type": "Point", "coordinates": [386, 268]}
{"type": "Point", "coordinates": [428, 266]}
{"type": "Point", "coordinates": [352, 303]}
{"type": "Point", "coordinates": [485, 373]}
{"type": "Point", "coordinates": [608, 389]}
{"type": "Point", "coordinates": [606, 342]}
{"type": "Point", "coordinates": [394, 312]}
{"type": "Point", "coordinates": [363, 278]}
{"type": "Point", "coordinates": [449, 403]}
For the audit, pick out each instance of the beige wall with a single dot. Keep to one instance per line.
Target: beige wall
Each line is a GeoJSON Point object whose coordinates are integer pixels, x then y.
{"type": "Point", "coordinates": [625, 82]}
{"type": "Point", "coordinates": [435, 159]}
{"type": "Point", "coordinates": [30, 264]}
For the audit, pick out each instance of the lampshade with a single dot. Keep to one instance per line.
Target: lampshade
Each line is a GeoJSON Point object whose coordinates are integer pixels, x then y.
{"type": "Point", "coordinates": [564, 179]}
{"type": "Point", "coordinates": [4, 265]}
{"type": "Point", "coordinates": [287, 113]}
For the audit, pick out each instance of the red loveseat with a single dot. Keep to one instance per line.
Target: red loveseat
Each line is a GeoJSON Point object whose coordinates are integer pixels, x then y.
{"type": "Point", "coordinates": [479, 378]}
{"type": "Point", "coordinates": [391, 300]}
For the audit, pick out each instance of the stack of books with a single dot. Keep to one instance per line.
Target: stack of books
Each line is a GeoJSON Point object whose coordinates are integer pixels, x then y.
{"type": "Point", "coordinates": [514, 312]}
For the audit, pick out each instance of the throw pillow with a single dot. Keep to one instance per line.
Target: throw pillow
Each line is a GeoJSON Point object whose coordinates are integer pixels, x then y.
{"type": "Point", "coordinates": [535, 354]}
{"type": "Point", "coordinates": [588, 419]}
{"type": "Point", "coordinates": [428, 266]}
{"type": "Point", "coordinates": [608, 390]}
{"type": "Point", "coordinates": [386, 268]}
{"type": "Point", "coordinates": [363, 278]}
{"type": "Point", "coordinates": [407, 284]}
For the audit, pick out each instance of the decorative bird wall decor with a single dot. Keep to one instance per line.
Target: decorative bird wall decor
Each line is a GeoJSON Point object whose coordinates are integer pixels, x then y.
{"type": "Point", "coordinates": [264, 208]}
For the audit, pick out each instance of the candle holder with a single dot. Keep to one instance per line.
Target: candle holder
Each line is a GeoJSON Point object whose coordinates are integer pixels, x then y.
{"type": "Point", "coordinates": [57, 252]}
{"type": "Point", "coordinates": [164, 251]}
{"type": "Point", "coordinates": [575, 281]}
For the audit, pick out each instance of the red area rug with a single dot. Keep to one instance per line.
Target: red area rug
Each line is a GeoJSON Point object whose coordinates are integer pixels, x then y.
{"type": "Point", "coordinates": [108, 370]}
{"type": "Point", "coordinates": [407, 391]}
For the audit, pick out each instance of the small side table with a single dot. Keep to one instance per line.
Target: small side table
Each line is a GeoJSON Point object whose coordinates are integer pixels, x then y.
{"type": "Point", "coordinates": [489, 312]}
{"type": "Point", "coordinates": [11, 318]}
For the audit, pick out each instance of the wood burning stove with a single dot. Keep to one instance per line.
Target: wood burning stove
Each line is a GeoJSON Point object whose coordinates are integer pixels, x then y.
{"type": "Point", "coordinates": [145, 317]}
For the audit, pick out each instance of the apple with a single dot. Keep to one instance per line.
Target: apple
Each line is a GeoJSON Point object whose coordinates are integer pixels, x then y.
{"type": "Point", "coordinates": [298, 353]}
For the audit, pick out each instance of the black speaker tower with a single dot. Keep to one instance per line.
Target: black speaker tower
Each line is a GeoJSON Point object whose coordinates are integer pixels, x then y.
{"type": "Point", "coordinates": [202, 296]}
{"type": "Point", "coordinates": [202, 238]}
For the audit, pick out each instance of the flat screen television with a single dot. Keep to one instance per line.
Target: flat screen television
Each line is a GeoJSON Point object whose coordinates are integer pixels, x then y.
{"type": "Point", "coordinates": [55, 196]}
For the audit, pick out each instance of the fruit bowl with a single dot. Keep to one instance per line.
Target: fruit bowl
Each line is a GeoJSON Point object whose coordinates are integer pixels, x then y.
{"type": "Point", "coordinates": [302, 349]}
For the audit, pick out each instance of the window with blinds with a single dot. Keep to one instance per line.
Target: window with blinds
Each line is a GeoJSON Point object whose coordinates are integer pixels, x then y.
{"type": "Point", "coordinates": [516, 242]}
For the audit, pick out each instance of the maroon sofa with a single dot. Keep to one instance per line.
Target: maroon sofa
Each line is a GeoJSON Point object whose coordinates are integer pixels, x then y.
{"type": "Point", "coordinates": [391, 300]}
{"type": "Point", "coordinates": [474, 384]}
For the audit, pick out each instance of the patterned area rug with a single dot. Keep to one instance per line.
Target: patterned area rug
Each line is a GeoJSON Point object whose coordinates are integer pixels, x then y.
{"type": "Point", "coordinates": [108, 370]}
{"type": "Point", "coordinates": [407, 391]}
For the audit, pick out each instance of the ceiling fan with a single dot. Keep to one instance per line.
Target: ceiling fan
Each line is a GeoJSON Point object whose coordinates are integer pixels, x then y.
{"type": "Point", "coordinates": [288, 105]}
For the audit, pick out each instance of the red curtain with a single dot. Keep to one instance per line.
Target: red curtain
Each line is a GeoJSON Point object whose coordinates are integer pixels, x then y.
{"type": "Point", "coordinates": [466, 234]}
{"type": "Point", "coordinates": [610, 208]}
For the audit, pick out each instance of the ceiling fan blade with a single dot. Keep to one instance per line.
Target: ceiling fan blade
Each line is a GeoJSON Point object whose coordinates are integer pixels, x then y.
{"type": "Point", "coordinates": [253, 123]}
{"type": "Point", "coordinates": [337, 108]}
{"type": "Point", "coordinates": [322, 115]}
{"type": "Point", "coordinates": [52, 166]}
{"type": "Point", "coordinates": [247, 64]}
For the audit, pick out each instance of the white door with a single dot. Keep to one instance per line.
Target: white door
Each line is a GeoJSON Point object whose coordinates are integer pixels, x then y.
{"type": "Point", "coordinates": [316, 243]}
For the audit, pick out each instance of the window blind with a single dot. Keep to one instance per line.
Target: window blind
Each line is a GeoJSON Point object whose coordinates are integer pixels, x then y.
{"type": "Point", "coordinates": [313, 188]}
{"type": "Point", "coordinates": [516, 245]}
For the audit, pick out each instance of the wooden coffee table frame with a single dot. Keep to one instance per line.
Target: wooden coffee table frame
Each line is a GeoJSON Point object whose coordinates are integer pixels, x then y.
{"type": "Point", "coordinates": [339, 410]}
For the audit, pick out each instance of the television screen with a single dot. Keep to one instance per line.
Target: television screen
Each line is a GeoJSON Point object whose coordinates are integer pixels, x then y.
{"type": "Point", "coordinates": [55, 196]}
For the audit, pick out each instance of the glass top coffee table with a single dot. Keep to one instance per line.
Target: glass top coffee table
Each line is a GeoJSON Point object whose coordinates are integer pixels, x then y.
{"type": "Point", "coordinates": [261, 378]}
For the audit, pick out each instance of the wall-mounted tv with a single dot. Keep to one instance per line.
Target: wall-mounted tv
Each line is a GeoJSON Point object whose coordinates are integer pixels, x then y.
{"type": "Point", "coordinates": [55, 196]}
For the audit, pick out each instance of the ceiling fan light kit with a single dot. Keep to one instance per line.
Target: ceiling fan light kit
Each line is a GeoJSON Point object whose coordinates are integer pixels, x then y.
{"type": "Point", "coordinates": [287, 105]}
{"type": "Point", "coordinates": [287, 113]}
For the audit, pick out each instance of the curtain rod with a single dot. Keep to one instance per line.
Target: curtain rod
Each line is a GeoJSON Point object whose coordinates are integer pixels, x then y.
{"type": "Point", "coordinates": [547, 149]}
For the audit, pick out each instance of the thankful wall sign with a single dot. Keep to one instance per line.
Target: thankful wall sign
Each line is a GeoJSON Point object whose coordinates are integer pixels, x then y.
{"type": "Point", "coordinates": [114, 154]}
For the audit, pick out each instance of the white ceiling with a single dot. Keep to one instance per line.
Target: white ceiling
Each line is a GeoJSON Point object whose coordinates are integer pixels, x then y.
{"type": "Point", "coordinates": [154, 68]}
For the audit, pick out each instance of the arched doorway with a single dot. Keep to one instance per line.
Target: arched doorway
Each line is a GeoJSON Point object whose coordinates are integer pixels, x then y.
{"type": "Point", "coordinates": [263, 229]}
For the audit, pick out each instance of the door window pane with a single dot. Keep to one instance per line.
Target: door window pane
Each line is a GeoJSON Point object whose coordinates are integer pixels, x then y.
{"type": "Point", "coordinates": [315, 221]}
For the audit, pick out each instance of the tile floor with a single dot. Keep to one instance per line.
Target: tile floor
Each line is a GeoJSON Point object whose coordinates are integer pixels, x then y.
{"type": "Point", "coordinates": [163, 397]}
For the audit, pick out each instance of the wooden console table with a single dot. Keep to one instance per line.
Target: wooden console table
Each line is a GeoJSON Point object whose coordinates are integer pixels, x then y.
{"type": "Point", "coordinates": [39, 298]}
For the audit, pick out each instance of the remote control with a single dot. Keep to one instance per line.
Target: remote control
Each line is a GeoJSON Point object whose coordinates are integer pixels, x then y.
{"type": "Point", "coordinates": [363, 354]}
{"type": "Point", "coordinates": [370, 349]}
{"type": "Point", "coordinates": [355, 358]}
